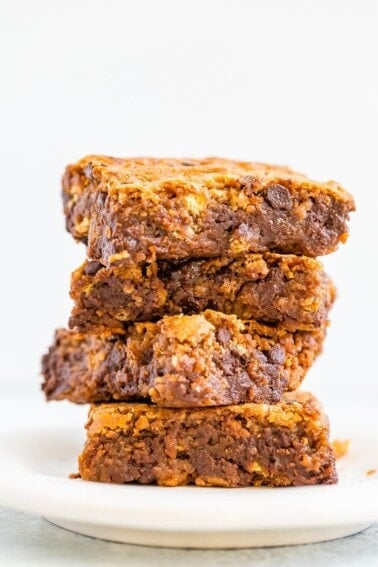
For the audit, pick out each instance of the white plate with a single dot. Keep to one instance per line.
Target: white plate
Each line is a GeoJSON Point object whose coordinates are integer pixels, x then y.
{"type": "Point", "coordinates": [38, 455]}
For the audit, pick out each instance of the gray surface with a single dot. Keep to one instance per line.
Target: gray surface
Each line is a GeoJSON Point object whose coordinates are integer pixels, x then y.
{"type": "Point", "coordinates": [27, 540]}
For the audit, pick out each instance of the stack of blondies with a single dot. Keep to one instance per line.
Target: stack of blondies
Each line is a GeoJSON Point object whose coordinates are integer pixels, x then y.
{"type": "Point", "coordinates": [196, 316]}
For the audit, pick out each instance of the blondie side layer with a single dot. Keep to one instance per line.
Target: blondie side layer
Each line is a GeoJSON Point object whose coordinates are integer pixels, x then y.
{"type": "Point", "coordinates": [144, 209]}
{"type": "Point", "coordinates": [181, 361]}
{"type": "Point", "coordinates": [271, 288]}
{"type": "Point", "coordinates": [242, 445]}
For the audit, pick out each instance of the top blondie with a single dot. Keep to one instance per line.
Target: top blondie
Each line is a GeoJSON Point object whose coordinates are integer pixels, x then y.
{"type": "Point", "coordinates": [146, 209]}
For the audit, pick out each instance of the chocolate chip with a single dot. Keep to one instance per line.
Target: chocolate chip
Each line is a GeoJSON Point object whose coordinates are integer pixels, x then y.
{"type": "Point", "coordinates": [88, 170]}
{"type": "Point", "coordinates": [223, 335]}
{"type": "Point", "coordinates": [248, 183]}
{"type": "Point", "coordinates": [276, 355]}
{"type": "Point", "coordinates": [92, 268]}
{"type": "Point", "coordinates": [278, 197]}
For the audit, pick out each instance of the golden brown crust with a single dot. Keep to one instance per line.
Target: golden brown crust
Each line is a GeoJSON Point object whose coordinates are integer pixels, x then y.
{"type": "Point", "coordinates": [121, 175]}
{"type": "Point", "coordinates": [249, 444]}
{"type": "Point", "coordinates": [143, 209]}
{"type": "Point", "coordinates": [181, 361]}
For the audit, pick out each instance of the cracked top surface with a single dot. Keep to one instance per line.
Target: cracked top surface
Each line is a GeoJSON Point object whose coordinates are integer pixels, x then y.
{"type": "Point", "coordinates": [120, 174]}
{"type": "Point", "coordinates": [294, 407]}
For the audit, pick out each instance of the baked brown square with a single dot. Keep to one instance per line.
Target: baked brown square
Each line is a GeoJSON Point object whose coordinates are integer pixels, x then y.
{"type": "Point", "coordinates": [277, 289]}
{"type": "Point", "coordinates": [249, 444]}
{"type": "Point", "coordinates": [181, 361]}
{"type": "Point", "coordinates": [146, 209]}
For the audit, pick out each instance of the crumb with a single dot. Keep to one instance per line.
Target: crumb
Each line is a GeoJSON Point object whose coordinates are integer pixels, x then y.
{"type": "Point", "coordinates": [371, 472]}
{"type": "Point", "coordinates": [74, 475]}
{"type": "Point", "coordinates": [340, 447]}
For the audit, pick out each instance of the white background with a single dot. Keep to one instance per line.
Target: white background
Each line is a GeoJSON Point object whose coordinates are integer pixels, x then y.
{"type": "Point", "coordinates": [292, 82]}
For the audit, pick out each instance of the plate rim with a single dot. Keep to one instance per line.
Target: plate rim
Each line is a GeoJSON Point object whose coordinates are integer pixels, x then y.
{"type": "Point", "coordinates": [352, 502]}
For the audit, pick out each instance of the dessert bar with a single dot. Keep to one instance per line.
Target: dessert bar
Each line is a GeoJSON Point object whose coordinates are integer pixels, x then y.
{"type": "Point", "coordinates": [181, 361]}
{"type": "Point", "coordinates": [249, 444]}
{"type": "Point", "coordinates": [144, 209]}
{"type": "Point", "coordinates": [271, 288]}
